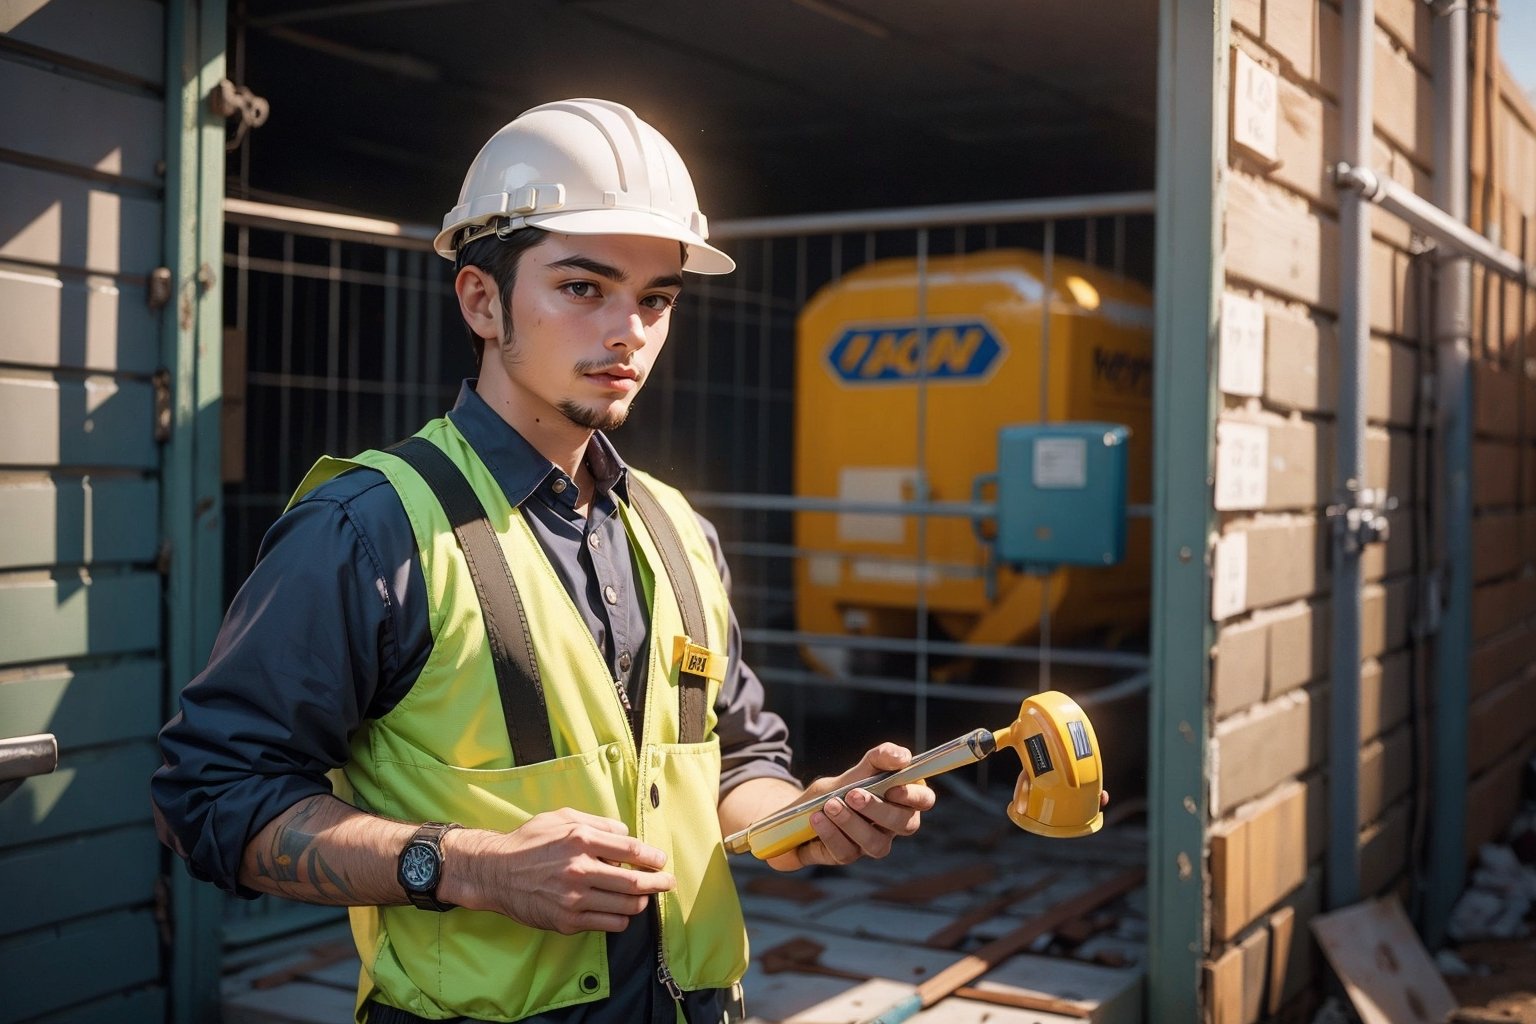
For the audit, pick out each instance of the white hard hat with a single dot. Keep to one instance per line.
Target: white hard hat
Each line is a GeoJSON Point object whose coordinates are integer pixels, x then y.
{"type": "Point", "coordinates": [582, 167]}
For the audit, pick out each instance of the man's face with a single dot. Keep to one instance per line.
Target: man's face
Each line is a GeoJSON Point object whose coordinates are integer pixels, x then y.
{"type": "Point", "coordinates": [590, 314]}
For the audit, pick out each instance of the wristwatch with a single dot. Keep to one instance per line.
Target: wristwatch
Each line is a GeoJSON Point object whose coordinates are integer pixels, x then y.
{"type": "Point", "coordinates": [421, 866]}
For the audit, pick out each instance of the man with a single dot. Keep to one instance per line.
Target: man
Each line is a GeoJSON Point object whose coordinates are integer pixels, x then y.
{"type": "Point", "coordinates": [514, 654]}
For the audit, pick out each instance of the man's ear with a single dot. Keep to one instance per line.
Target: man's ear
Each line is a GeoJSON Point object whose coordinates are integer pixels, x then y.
{"type": "Point", "coordinates": [479, 302]}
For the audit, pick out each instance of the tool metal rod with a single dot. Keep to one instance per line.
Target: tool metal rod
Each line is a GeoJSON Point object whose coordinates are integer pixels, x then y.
{"type": "Point", "coordinates": [958, 752]}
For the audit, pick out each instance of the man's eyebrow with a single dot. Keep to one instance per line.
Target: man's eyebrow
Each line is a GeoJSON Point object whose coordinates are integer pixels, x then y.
{"type": "Point", "coordinates": [611, 272]}
{"type": "Point", "coordinates": [590, 265]}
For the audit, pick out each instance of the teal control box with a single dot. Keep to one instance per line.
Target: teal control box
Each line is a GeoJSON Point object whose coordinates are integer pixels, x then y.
{"type": "Point", "coordinates": [1061, 494]}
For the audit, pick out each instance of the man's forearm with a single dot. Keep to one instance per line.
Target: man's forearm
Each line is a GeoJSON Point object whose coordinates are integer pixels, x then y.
{"type": "Point", "coordinates": [322, 850]}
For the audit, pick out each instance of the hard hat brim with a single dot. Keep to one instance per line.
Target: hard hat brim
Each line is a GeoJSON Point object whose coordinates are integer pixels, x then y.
{"type": "Point", "coordinates": [702, 258]}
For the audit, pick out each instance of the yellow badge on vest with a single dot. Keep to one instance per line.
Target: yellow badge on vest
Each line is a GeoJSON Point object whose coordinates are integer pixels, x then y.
{"type": "Point", "coordinates": [698, 660]}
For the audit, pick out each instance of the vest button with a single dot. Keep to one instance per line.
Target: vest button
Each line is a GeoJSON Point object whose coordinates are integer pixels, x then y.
{"type": "Point", "coordinates": [610, 595]}
{"type": "Point", "coordinates": [589, 982]}
{"type": "Point", "coordinates": [655, 795]}
{"type": "Point", "coordinates": [595, 539]}
{"type": "Point", "coordinates": [613, 753]}
{"type": "Point", "coordinates": [625, 661]}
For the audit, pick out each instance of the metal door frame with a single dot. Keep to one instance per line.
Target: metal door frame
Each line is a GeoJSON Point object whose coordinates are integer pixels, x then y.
{"type": "Point", "coordinates": [192, 509]}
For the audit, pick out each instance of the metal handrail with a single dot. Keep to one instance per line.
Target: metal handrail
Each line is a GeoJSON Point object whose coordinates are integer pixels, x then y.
{"type": "Point", "coordinates": [404, 234]}
{"type": "Point", "coordinates": [1112, 204]}
{"type": "Point", "coordinates": [997, 652]}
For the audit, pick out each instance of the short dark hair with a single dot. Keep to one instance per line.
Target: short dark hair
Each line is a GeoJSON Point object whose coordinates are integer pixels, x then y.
{"type": "Point", "coordinates": [498, 257]}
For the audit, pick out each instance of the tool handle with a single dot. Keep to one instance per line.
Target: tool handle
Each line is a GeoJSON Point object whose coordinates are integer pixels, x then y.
{"type": "Point", "coordinates": [784, 830]}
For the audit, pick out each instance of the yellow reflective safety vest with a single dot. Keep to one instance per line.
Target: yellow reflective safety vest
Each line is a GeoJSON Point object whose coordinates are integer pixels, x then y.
{"type": "Point", "coordinates": [443, 754]}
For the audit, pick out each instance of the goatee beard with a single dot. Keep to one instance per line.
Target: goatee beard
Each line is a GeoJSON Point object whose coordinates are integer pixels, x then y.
{"type": "Point", "coordinates": [593, 419]}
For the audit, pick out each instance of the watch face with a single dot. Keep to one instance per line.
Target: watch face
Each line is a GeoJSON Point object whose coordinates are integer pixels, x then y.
{"type": "Point", "coordinates": [418, 867]}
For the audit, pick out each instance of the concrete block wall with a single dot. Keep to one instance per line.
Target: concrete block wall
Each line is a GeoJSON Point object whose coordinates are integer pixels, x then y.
{"type": "Point", "coordinates": [1274, 479]}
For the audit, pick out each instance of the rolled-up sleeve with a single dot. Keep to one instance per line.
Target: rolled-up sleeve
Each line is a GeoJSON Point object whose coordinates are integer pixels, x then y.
{"type": "Point", "coordinates": [754, 742]}
{"type": "Point", "coordinates": [309, 648]}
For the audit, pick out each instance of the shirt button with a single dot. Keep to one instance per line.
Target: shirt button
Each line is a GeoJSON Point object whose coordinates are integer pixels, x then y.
{"type": "Point", "coordinates": [595, 540]}
{"type": "Point", "coordinates": [625, 661]}
{"type": "Point", "coordinates": [610, 595]}
{"type": "Point", "coordinates": [559, 485]}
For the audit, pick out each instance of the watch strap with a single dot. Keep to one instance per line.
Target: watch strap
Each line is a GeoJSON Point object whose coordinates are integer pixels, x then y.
{"type": "Point", "coordinates": [431, 834]}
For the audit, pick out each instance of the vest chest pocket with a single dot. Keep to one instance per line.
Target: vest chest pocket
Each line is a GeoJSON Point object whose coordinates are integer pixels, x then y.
{"type": "Point", "coordinates": [502, 799]}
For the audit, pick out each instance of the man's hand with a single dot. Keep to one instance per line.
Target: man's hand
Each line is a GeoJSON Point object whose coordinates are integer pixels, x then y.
{"type": "Point", "coordinates": [862, 824]}
{"type": "Point", "coordinates": [564, 871]}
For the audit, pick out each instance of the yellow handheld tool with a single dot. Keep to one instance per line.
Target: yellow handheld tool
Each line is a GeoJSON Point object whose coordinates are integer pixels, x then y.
{"type": "Point", "coordinates": [1057, 795]}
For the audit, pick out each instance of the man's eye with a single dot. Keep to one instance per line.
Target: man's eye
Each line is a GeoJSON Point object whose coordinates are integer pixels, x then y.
{"type": "Point", "coordinates": [581, 289]}
{"type": "Point", "coordinates": [660, 303]}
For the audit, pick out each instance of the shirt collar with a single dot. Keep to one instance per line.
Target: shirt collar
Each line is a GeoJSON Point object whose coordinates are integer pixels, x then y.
{"type": "Point", "coordinates": [516, 465]}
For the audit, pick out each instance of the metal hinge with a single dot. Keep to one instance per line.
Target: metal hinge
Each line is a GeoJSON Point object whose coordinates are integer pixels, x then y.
{"type": "Point", "coordinates": [161, 382]}
{"type": "Point", "coordinates": [159, 287]}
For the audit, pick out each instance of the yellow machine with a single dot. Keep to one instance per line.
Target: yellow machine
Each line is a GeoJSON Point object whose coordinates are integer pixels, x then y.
{"type": "Point", "coordinates": [857, 411]}
{"type": "Point", "coordinates": [1058, 792]}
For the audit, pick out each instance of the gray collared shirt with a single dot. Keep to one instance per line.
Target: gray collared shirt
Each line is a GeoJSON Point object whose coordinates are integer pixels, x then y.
{"type": "Point", "coordinates": [331, 629]}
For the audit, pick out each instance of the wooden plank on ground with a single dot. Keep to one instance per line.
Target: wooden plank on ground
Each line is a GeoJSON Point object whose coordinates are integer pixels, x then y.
{"type": "Point", "coordinates": [299, 1002]}
{"type": "Point", "coordinates": [925, 888]}
{"type": "Point", "coordinates": [1385, 969]}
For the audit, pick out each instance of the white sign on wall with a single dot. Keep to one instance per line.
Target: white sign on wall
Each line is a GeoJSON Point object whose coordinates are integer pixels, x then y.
{"type": "Point", "coordinates": [1241, 369]}
{"type": "Point", "coordinates": [1242, 465]}
{"type": "Point", "coordinates": [1229, 583]}
{"type": "Point", "coordinates": [1255, 106]}
{"type": "Point", "coordinates": [1061, 463]}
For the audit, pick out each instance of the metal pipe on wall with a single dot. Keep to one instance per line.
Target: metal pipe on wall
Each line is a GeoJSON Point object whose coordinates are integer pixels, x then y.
{"type": "Point", "coordinates": [1343, 861]}
{"type": "Point", "coordinates": [1446, 864]}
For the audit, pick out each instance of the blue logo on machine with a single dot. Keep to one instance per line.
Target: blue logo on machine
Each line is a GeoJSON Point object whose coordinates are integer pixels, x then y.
{"type": "Point", "coordinates": [961, 350]}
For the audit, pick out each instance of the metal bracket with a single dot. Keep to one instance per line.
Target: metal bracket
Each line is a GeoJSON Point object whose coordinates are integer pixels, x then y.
{"type": "Point", "coordinates": [1363, 521]}
{"type": "Point", "coordinates": [229, 100]}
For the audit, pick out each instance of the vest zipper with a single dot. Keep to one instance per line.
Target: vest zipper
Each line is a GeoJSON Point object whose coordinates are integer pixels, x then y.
{"type": "Point", "coordinates": [663, 972]}
{"type": "Point", "coordinates": [618, 687]}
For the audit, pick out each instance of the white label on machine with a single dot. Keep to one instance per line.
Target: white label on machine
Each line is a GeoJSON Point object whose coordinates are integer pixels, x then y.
{"type": "Point", "coordinates": [874, 484]}
{"type": "Point", "coordinates": [1242, 466]}
{"type": "Point", "coordinates": [1255, 107]}
{"type": "Point", "coordinates": [1229, 588]}
{"type": "Point", "coordinates": [1242, 345]}
{"type": "Point", "coordinates": [1061, 463]}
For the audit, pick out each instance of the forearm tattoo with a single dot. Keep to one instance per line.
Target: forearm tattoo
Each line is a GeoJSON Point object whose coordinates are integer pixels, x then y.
{"type": "Point", "coordinates": [294, 864]}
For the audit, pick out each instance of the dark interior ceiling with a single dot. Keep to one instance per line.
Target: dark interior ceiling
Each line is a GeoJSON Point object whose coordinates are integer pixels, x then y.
{"type": "Point", "coordinates": [778, 106]}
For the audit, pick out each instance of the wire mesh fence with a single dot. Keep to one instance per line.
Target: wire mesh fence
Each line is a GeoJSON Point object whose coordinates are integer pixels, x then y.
{"type": "Point", "coordinates": [349, 337]}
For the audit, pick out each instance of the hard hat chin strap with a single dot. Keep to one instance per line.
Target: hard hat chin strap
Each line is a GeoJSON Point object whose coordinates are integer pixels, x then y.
{"type": "Point", "coordinates": [502, 227]}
